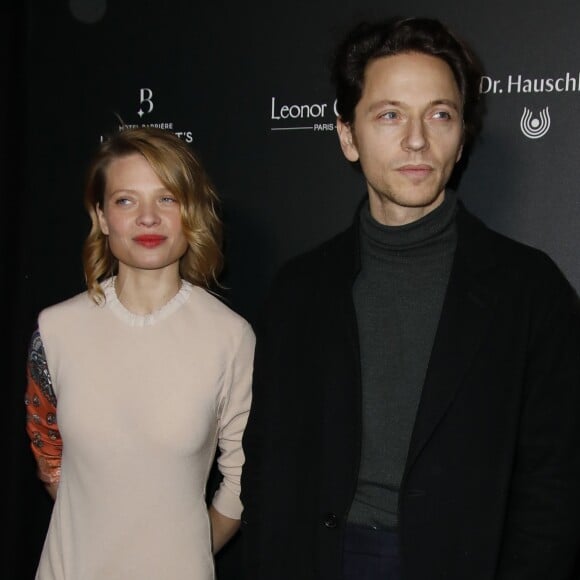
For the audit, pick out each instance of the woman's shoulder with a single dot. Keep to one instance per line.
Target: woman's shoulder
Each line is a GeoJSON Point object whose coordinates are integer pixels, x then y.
{"type": "Point", "coordinates": [216, 308]}
{"type": "Point", "coordinates": [68, 307]}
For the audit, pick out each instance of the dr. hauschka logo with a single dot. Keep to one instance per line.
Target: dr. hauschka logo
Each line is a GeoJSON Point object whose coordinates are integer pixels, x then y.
{"type": "Point", "coordinates": [533, 126]}
{"type": "Point", "coordinates": [146, 105]}
{"type": "Point", "coordinates": [566, 83]}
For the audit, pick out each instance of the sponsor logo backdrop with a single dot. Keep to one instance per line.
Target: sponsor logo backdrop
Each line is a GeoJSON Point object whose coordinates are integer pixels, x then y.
{"type": "Point", "coordinates": [247, 85]}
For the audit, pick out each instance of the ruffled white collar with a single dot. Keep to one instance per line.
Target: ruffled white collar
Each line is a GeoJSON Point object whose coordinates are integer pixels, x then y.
{"type": "Point", "coordinates": [132, 319]}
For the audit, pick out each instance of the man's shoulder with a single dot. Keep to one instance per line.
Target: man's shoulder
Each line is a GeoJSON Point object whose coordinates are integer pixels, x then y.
{"type": "Point", "coordinates": [337, 251]}
{"type": "Point", "coordinates": [510, 254]}
{"type": "Point", "coordinates": [317, 271]}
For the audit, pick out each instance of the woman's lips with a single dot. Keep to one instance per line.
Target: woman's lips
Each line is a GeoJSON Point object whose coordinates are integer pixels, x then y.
{"type": "Point", "coordinates": [149, 240]}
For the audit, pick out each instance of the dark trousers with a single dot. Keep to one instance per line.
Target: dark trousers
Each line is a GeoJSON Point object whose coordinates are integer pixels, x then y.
{"type": "Point", "coordinates": [371, 554]}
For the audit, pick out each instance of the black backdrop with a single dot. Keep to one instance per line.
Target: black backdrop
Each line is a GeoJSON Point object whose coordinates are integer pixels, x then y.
{"type": "Point", "coordinates": [247, 85]}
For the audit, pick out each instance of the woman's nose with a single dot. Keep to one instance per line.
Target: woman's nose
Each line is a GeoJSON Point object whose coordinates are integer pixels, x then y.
{"type": "Point", "coordinates": [148, 214]}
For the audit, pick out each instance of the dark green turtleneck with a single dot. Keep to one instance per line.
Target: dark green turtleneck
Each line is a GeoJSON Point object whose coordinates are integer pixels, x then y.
{"type": "Point", "coordinates": [398, 297]}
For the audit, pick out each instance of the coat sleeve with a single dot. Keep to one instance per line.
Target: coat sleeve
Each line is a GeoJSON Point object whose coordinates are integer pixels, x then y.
{"type": "Point", "coordinates": [253, 477]}
{"type": "Point", "coordinates": [259, 434]}
{"type": "Point", "coordinates": [542, 532]}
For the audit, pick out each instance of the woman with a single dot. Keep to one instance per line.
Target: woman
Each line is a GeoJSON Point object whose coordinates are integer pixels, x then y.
{"type": "Point", "coordinates": [134, 384]}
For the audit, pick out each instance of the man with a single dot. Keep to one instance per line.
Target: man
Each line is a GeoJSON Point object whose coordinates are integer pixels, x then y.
{"type": "Point", "coordinates": [416, 407]}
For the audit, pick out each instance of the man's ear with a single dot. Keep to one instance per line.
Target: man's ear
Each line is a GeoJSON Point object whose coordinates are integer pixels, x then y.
{"type": "Point", "coordinates": [460, 150]}
{"type": "Point", "coordinates": [347, 141]}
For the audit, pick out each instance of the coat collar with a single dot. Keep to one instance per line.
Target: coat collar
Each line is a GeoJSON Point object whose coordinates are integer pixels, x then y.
{"type": "Point", "coordinates": [472, 290]}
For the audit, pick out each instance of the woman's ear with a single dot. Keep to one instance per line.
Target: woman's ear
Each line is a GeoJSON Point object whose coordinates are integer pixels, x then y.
{"type": "Point", "coordinates": [102, 220]}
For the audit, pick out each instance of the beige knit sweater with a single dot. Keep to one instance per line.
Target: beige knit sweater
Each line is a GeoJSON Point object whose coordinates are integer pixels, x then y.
{"type": "Point", "coordinates": [142, 402]}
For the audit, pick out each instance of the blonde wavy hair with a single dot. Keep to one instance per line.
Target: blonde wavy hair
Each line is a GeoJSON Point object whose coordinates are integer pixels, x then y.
{"type": "Point", "coordinates": [181, 172]}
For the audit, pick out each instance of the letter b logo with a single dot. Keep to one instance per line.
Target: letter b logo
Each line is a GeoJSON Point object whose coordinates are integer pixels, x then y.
{"type": "Point", "coordinates": [145, 98]}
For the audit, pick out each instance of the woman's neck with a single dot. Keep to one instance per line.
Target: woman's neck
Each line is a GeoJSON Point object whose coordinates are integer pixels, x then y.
{"type": "Point", "coordinates": [146, 291]}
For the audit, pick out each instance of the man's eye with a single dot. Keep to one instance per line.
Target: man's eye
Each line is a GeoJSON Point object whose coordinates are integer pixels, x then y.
{"type": "Point", "coordinates": [122, 201]}
{"type": "Point", "coordinates": [390, 115]}
{"type": "Point", "coordinates": [442, 115]}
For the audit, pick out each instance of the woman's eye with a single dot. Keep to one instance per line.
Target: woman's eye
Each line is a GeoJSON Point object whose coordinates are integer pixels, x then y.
{"type": "Point", "coordinates": [390, 115]}
{"type": "Point", "coordinates": [169, 199]}
{"type": "Point", "coordinates": [122, 201]}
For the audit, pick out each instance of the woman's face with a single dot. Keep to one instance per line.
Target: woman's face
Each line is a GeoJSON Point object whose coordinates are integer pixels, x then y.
{"type": "Point", "coordinates": [141, 218]}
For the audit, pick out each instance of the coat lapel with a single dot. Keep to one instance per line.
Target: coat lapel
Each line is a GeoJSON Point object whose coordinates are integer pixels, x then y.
{"type": "Point", "coordinates": [464, 319]}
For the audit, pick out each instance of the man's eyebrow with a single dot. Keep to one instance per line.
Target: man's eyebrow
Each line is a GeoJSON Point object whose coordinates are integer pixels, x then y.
{"type": "Point", "coordinates": [389, 102]}
{"type": "Point", "coordinates": [449, 102]}
{"type": "Point", "coordinates": [384, 103]}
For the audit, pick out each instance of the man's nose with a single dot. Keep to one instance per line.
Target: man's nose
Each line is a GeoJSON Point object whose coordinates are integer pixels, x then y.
{"type": "Point", "coordinates": [415, 137]}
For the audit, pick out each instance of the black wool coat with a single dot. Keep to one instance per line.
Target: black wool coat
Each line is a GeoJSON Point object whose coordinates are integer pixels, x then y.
{"type": "Point", "coordinates": [491, 488]}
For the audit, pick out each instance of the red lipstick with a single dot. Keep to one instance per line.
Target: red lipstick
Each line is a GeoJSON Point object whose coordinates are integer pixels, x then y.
{"type": "Point", "coordinates": [149, 240]}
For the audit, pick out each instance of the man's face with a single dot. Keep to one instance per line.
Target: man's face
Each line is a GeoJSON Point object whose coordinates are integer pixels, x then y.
{"type": "Point", "coordinates": [407, 134]}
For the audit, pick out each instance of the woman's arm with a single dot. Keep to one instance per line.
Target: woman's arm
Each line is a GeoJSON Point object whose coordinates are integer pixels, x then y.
{"type": "Point", "coordinates": [41, 424]}
{"type": "Point", "coordinates": [222, 529]}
